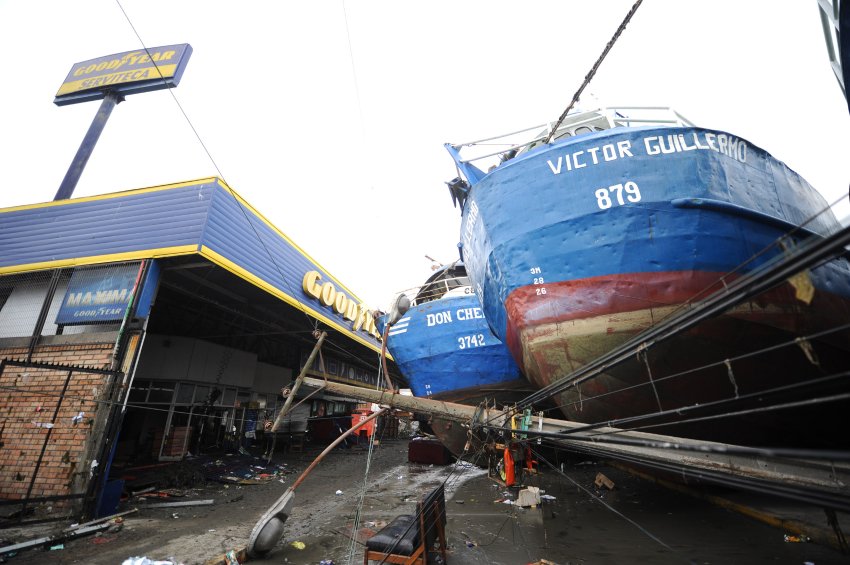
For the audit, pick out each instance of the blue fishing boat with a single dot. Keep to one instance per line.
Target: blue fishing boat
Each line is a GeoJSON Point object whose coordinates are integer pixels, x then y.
{"type": "Point", "coordinates": [444, 347]}
{"type": "Point", "coordinates": [446, 351]}
{"type": "Point", "coordinates": [581, 239]}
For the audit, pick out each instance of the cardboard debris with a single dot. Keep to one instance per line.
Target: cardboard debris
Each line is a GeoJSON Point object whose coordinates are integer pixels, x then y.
{"type": "Point", "coordinates": [529, 496]}
{"type": "Point", "coordinates": [602, 480]}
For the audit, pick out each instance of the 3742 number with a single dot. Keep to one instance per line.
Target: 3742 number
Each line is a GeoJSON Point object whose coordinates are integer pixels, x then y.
{"type": "Point", "coordinates": [467, 341]}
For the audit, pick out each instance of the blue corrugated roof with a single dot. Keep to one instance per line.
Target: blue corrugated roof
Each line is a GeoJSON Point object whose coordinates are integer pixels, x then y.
{"type": "Point", "coordinates": [203, 217]}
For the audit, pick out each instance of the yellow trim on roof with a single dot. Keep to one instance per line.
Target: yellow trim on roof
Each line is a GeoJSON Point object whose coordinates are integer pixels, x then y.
{"type": "Point", "coordinates": [214, 180]}
{"type": "Point", "coordinates": [226, 263]}
{"type": "Point", "coordinates": [109, 195]}
{"type": "Point", "coordinates": [97, 259]}
{"type": "Point", "coordinates": [274, 228]}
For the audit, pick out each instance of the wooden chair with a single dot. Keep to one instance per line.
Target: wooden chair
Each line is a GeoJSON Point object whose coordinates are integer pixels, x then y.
{"type": "Point", "coordinates": [411, 539]}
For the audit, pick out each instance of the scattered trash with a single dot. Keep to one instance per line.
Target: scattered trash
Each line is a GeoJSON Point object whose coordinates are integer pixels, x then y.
{"type": "Point", "coordinates": [458, 502]}
{"type": "Point", "coordinates": [175, 515]}
{"type": "Point", "coordinates": [298, 544]}
{"type": "Point", "coordinates": [146, 561]}
{"type": "Point", "coordinates": [602, 480]}
{"type": "Point", "coordinates": [547, 497]}
{"type": "Point", "coordinates": [230, 558]}
{"type": "Point", "coordinates": [326, 562]}
{"type": "Point", "coordinates": [57, 547]}
{"type": "Point", "coordinates": [78, 418]}
{"type": "Point", "coordinates": [797, 539]}
{"type": "Point", "coordinates": [339, 492]}
{"type": "Point", "coordinates": [206, 502]}
{"type": "Point", "coordinates": [529, 496]}
{"type": "Point", "coordinates": [470, 543]}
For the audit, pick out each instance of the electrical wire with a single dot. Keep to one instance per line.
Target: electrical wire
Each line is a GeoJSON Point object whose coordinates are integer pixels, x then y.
{"type": "Point", "coordinates": [311, 321]}
{"type": "Point", "coordinates": [578, 485]}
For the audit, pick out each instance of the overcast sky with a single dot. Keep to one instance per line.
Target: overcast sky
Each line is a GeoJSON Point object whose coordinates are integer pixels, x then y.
{"type": "Point", "coordinates": [329, 117]}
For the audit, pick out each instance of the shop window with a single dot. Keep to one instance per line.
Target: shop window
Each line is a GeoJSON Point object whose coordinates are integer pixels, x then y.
{"type": "Point", "coordinates": [161, 392]}
{"type": "Point", "coordinates": [139, 392]}
{"type": "Point", "coordinates": [184, 393]}
{"type": "Point", "coordinates": [201, 393]}
{"type": "Point", "coordinates": [229, 397]}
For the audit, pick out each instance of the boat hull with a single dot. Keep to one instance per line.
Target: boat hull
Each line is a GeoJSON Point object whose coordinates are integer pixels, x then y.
{"type": "Point", "coordinates": [600, 251]}
{"type": "Point", "coordinates": [446, 351]}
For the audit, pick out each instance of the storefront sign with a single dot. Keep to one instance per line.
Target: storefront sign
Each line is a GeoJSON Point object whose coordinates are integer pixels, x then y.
{"type": "Point", "coordinates": [328, 295]}
{"type": "Point", "coordinates": [97, 295]}
{"type": "Point", "coordinates": [143, 70]}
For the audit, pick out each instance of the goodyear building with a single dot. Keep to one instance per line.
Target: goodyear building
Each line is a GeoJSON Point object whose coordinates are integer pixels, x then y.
{"type": "Point", "coordinates": [138, 326]}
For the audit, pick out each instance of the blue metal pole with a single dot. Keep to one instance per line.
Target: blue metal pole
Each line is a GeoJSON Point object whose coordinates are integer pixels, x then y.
{"type": "Point", "coordinates": [75, 171]}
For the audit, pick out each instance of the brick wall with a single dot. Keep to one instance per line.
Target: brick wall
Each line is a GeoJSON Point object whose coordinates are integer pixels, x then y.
{"type": "Point", "coordinates": [28, 402]}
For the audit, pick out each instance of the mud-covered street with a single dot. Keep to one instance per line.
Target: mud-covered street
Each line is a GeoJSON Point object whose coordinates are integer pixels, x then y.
{"type": "Point", "coordinates": [577, 522]}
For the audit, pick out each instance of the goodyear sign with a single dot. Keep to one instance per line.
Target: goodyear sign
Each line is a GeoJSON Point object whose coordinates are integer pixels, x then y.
{"type": "Point", "coordinates": [329, 295]}
{"type": "Point", "coordinates": [132, 72]}
{"type": "Point", "coordinates": [97, 295]}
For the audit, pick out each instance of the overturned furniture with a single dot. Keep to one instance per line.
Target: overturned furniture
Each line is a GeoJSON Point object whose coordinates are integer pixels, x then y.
{"type": "Point", "coordinates": [412, 539]}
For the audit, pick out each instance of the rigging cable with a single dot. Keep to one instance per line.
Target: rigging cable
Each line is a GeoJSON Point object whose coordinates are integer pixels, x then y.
{"type": "Point", "coordinates": [602, 502]}
{"type": "Point", "coordinates": [593, 70]}
{"type": "Point", "coordinates": [715, 364]}
{"type": "Point", "coordinates": [739, 290]}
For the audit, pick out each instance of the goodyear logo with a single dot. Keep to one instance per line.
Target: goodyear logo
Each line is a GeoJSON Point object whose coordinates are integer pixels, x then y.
{"type": "Point", "coordinates": [326, 293]}
{"type": "Point", "coordinates": [128, 68]}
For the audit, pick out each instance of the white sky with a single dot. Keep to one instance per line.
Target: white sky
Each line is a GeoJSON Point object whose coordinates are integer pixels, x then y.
{"type": "Point", "coordinates": [330, 117]}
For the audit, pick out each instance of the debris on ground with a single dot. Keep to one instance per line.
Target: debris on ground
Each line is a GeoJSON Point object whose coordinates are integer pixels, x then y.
{"type": "Point", "coordinates": [529, 496]}
{"type": "Point", "coordinates": [148, 561]}
{"type": "Point", "coordinates": [602, 480]}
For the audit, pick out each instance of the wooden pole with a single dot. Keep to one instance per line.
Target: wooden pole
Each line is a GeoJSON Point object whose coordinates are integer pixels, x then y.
{"type": "Point", "coordinates": [286, 405]}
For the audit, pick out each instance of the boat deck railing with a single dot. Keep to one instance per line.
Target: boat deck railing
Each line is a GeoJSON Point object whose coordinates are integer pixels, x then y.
{"type": "Point", "coordinates": [435, 289]}
{"type": "Point", "coordinates": [511, 144]}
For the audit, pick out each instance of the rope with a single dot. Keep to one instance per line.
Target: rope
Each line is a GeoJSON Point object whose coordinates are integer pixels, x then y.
{"type": "Point", "coordinates": [593, 70]}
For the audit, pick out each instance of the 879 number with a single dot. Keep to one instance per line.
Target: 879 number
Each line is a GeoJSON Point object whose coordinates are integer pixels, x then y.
{"type": "Point", "coordinates": [605, 197]}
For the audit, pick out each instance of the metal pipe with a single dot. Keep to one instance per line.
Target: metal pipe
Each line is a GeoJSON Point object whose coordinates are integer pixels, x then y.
{"type": "Point", "coordinates": [335, 443]}
{"type": "Point", "coordinates": [75, 171]}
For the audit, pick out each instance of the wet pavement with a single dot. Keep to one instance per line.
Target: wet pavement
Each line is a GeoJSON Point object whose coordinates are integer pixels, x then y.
{"type": "Point", "coordinates": [577, 522]}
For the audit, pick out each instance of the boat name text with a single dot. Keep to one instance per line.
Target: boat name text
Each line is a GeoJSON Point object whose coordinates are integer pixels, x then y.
{"type": "Point", "coordinates": [461, 314]}
{"type": "Point", "coordinates": [728, 145]}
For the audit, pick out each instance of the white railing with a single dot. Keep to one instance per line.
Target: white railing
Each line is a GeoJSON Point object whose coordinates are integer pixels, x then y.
{"type": "Point", "coordinates": [434, 290]}
{"type": "Point", "coordinates": [580, 123]}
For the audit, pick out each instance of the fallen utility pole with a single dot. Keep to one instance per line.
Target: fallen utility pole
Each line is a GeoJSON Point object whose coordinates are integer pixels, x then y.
{"type": "Point", "coordinates": [700, 459]}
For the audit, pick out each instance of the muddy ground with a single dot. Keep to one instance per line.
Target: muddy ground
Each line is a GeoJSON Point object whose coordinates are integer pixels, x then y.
{"type": "Point", "coordinates": [636, 522]}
